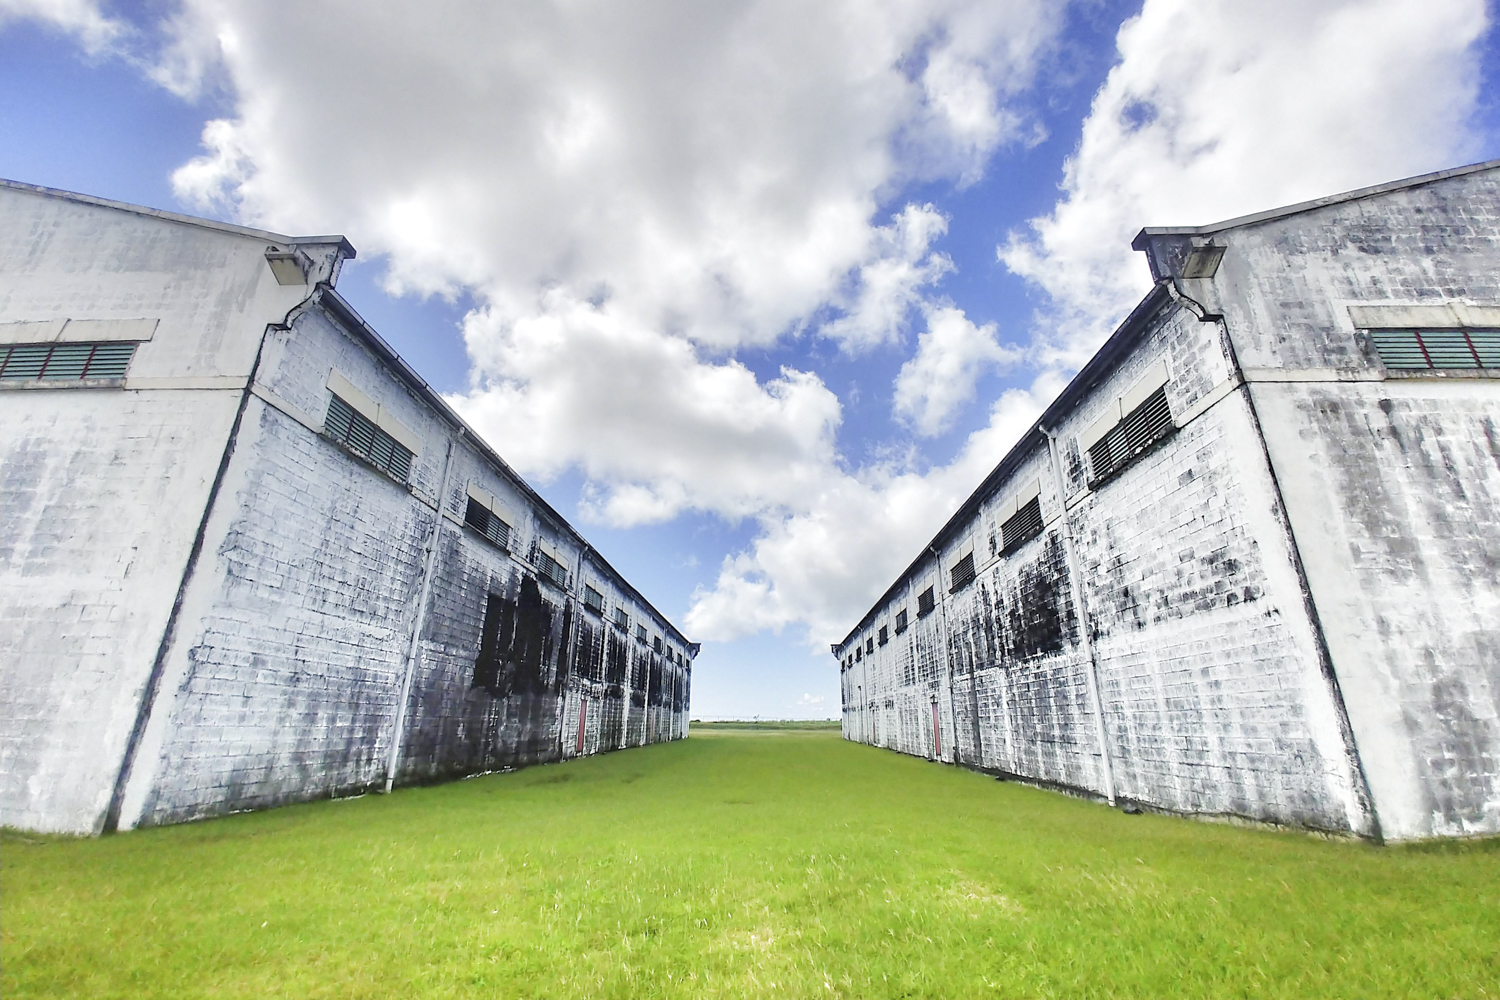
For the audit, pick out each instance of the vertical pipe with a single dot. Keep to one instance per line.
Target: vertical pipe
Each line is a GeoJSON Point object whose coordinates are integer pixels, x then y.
{"type": "Point", "coordinates": [421, 619]}
{"type": "Point", "coordinates": [1081, 611]}
{"type": "Point", "coordinates": [942, 592]}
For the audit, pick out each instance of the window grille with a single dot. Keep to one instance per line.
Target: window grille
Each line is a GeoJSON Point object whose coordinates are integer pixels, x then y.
{"type": "Point", "coordinates": [1022, 526]}
{"type": "Point", "coordinates": [900, 621]}
{"type": "Point", "coordinates": [885, 635]}
{"type": "Point", "coordinates": [1429, 349]}
{"type": "Point", "coordinates": [551, 570]}
{"type": "Point", "coordinates": [962, 573]}
{"type": "Point", "coordinates": [483, 520]}
{"type": "Point", "coordinates": [622, 620]}
{"type": "Point", "coordinates": [358, 433]}
{"type": "Point", "coordinates": [925, 603]}
{"type": "Point", "coordinates": [1141, 427]}
{"type": "Point", "coordinates": [66, 361]}
{"type": "Point", "coordinates": [593, 600]}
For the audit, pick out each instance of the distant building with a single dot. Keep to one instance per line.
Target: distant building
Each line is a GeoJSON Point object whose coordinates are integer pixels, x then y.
{"type": "Point", "coordinates": [248, 556]}
{"type": "Point", "coordinates": [1248, 563]}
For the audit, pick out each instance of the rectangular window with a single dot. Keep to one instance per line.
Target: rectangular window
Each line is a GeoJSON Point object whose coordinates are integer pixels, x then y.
{"type": "Point", "coordinates": [859, 653]}
{"type": "Point", "coordinates": [656, 643]}
{"type": "Point", "coordinates": [885, 635]}
{"type": "Point", "coordinates": [640, 633]}
{"type": "Point", "coordinates": [900, 621]}
{"type": "Point", "coordinates": [551, 570]}
{"type": "Point", "coordinates": [962, 573]}
{"type": "Point", "coordinates": [622, 620]}
{"type": "Point", "coordinates": [1432, 349]}
{"type": "Point", "coordinates": [358, 433]}
{"type": "Point", "coordinates": [65, 362]}
{"type": "Point", "coordinates": [925, 603]}
{"type": "Point", "coordinates": [593, 600]}
{"type": "Point", "coordinates": [1022, 526]}
{"type": "Point", "coordinates": [870, 645]}
{"type": "Point", "coordinates": [483, 520]}
{"type": "Point", "coordinates": [1137, 431]}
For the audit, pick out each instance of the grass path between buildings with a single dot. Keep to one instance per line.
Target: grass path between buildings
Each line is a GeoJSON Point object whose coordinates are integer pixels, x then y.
{"type": "Point", "coordinates": [740, 864]}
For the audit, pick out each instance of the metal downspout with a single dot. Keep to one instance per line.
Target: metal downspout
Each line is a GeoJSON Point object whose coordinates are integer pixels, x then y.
{"type": "Point", "coordinates": [947, 654]}
{"type": "Point", "coordinates": [1081, 610]}
{"type": "Point", "coordinates": [416, 632]}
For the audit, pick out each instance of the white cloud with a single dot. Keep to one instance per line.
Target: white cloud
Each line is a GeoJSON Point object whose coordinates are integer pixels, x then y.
{"type": "Point", "coordinates": [82, 19]}
{"type": "Point", "coordinates": [892, 280]}
{"type": "Point", "coordinates": [809, 700]}
{"type": "Point", "coordinates": [1219, 108]}
{"type": "Point", "coordinates": [952, 353]}
{"type": "Point", "coordinates": [822, 565]}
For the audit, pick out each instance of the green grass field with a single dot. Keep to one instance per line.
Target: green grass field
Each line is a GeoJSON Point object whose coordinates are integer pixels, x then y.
{"type": "Point", "coordinates": [741, 864]}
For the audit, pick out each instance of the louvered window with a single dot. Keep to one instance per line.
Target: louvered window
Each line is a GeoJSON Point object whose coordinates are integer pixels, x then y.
{"type": "Point", "coordinates": [656, 643]}
{"type": "Point", "coordinates": [962, 573]}
{"type": "Point", "coordinates": [1429, 349]}
{"type": "Point", "coordinates": [65, 361]}
{"type": "Point", "coordinates": [870, 645]}
{"type": "Point", "coordinates": [483, 520]}
{"type": "Point", "coordinates": [1022, 526]}
{"type": "Point", "coordinates": [359, 434]}
{"type": "Point", "coordinates": [925, 603]}
{"type": "Point", "coordinates": [885, 635]}
{"type": "Point", "coordinates": [1140, 428]}
{"type": "Point", "coordinates": [900, 621]}
{"type": "Point", "coordinates": [622, 620]}
{"type": "Point", "coordinates": [593, 600]}
{"type": "Point", "coordinates": [640, 633]}
{"type": "Point", "coordinates": [859, 653]}
{"type": "Point", "coordinates": [551, 570]}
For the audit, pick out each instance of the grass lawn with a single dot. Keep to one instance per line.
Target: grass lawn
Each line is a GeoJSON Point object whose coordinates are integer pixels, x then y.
{"type": "Point", "coordinates": [746, 865]}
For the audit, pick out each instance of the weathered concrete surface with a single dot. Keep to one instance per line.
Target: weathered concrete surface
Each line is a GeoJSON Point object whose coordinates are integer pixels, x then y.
{"type": "Point", "coordinates": [209, 604]}
{"type": "Point", "coordinates": [1288, 607]}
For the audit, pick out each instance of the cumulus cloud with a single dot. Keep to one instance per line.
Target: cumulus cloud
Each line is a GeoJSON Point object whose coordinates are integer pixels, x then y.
{"type": "Point", "coordinates": [1219, 108]}
{"type": "Point", "coordinates": [952, 353]}
{"type": "Point", "coordinates": [821, 566]}
{"type": "Point", "coordinates": [96, 32]}
{"type": "Point", "coordinates": [635, 193]}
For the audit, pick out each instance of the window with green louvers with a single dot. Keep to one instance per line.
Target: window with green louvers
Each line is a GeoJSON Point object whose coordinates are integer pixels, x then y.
{"type": "Point", "coordinates": [925, 603]}
{"type": "Point", "coordinates": [483, 520]}
{"type": "Point", "coordinates": [1436, 349]}
{"type": "Point", "coordinates": [900, 621]}
{"type": "Point", "coordinates": [65, 362]}
{"type": "Point", "coordinates": [593, 600]}
{"type": "Point", "coordinates": [359, 434]}
{"type": "Point", "coordinates": [1022, 526]}
{"type": "Point", "coordinates": [1141, 427]}
{"type": "Point", "coordinates": [551, 569]}
{"type": "Point", "coordinates": [962, 573]}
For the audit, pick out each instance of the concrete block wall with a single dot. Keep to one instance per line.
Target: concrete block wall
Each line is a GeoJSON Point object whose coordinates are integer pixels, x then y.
{"type": "Point", "coordinates": [1210, 692]}
{"type": "Point", "coordinates": [1391, 478]}
{"type": "Point", "coordinates": [103, 482]}
{"type": "Point", "coordinates": [295, 639]}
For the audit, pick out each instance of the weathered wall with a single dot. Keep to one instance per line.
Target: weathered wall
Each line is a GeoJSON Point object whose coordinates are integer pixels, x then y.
{"type": "Point", "coordinates": [101, 483]}
{"type": "Point", "coordinates": [294, 639]}
{"type": "Point", "coordinates": [1209, 684]}
{"type": "Point", "coordinates": [1392, 479]}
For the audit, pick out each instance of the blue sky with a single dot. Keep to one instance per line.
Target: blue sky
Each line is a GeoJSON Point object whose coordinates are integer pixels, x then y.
{"type": "Point", "coordinates": [754, 293]}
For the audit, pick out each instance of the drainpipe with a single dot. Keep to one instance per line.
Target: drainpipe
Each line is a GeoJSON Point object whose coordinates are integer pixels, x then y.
{"type": "Point", "coordinates": [1081, 610]}
{"type": "Point", "coordinates": [947, 658]}
{"type": "Point", "coordinates": [416, 632]}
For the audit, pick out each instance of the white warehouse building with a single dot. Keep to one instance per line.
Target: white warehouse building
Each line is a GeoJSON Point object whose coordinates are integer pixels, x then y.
{"type": "Point", "coordinates": [1248, 563]}
{"type": "Point", "coordinates": [248, 556]}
